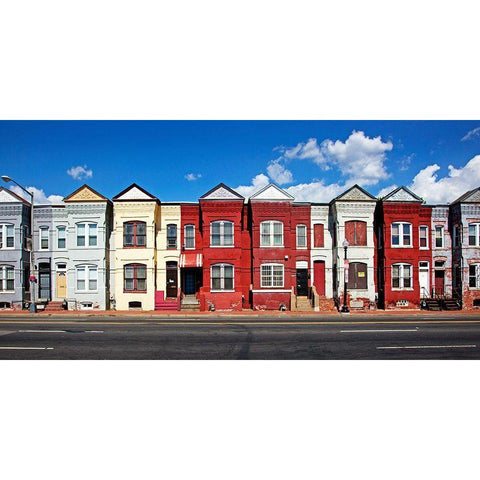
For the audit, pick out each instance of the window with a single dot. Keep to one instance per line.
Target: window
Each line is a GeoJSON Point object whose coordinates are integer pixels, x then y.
{"type": "Point", "coordinates": [7, 278]}
{"type": "Point", "coordinates": [457, 235]}
{"type": "Point", "coordinates": [272, 275]}
{"type": "Point", "coordinates": [423, 236]}
{"type": "Point", "coordinates": [135, 277]}
{"type": "Point", "coordinates": [222, 276]}
{"type": "Point", "coordinates": [43, 238]}
{"type": "Point", "coordinates": [171, 236]}
{"type": "Point", "coordinates": [301, 236]}
{"type": "Point", "coordinates": [318, 236]}
{"type": "Point", "coordinates": [61, 237]}
{"type": "Point", "coordinates": [401, 234]}
{"type": "Point", "coordinates": [7, 236]}
{"type": "Point", "coordinates": [134, 234]}
{"type": "Point", "coordinates": [87, 278]}
{"type": "Point", "coordinates": [221, 234]}
{"type": "Point", "coordinates": [357, 276]}
{"type": "Point", "coordinates": [190, 236]}
{"type": "Point", "coordinates": [86, 232]}
{"type": "Point", "coordinates": [402, 275]}
{"type": "Point", "coordinates": [474, 234]}
{"type": "Point", "coordinates": [356, 232]}
{"type": "Point", "coordinates": [271, 234]}
{"type": "Point", "coordinates": [439, 236]}
{"type": "Point", "coordinates": [474, 276]}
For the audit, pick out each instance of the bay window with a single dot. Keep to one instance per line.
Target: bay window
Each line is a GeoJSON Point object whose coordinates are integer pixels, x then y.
{"type": "Point", "coordinates": [401, 234]}
{"type": "Point", "coordinates": [402, 275]}
{"type": "Point", "coordinates": [271, 275]}
{"type": "Point", "coordinates": [222, 277]}
{"type": "Point", "coordinates": [271, 234]}
{"type": "Point", "coordinates": [221, 234]}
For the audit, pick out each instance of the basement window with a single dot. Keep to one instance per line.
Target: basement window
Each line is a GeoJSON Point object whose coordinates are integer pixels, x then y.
{"type": "Point", "coordinates": [134, 305]}
{"type": "Point", "coordinates": [402, 303]}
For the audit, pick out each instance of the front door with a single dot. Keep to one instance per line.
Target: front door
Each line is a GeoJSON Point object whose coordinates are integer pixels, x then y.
{"type": "Point", "coordinates": [423, 280]}
{"type": "Point", "coordinates": [172, 279]}
{"type": "Point", "coordinates": [44, 281]}
{"type": "Point", "coordinates": [61, 285]}
{"type": "Point", "coordinates": [302, 282]}
{"type": "Point", "coordinates": [439, 282]}
{"type": "Point", "coordinates": [319, 276]}
{"type": "Point", "coordinates": [189, 287]}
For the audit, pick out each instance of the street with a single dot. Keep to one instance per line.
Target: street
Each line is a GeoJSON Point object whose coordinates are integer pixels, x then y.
{"type": "Point", "coordinates": [411, 337]}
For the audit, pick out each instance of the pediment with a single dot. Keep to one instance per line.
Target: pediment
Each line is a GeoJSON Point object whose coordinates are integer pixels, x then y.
{"type": "Point", "coordinates": [221, 192]}
{"type": "Point", "coordinates": [402, 194]}
{"type": "Point", "coordinates": [85, 194]}
{"type": "Point", "coordinates": [473, 196]}
{"type": "Point", "coordinates": [7, 196]}
{"type": "Point", "coordinates": [134, 192]}
{"type": "Point", "coordinates": [356, 193]}
{"type": "Point", "coordinates": [272, 192]}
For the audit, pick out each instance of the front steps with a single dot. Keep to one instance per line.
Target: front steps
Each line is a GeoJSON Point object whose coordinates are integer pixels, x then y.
{"type": "Point", "coordinates": [54, 307]}
{"type": "Point", "coordinates": [302, 305]}
{"type": "Point", "coordinates": [190, 303]}
{"type": "Point", "coordinates": [437, 304]}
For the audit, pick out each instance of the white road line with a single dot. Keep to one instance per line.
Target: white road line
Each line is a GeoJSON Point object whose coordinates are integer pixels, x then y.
{"type": "Point", "coordinates": [426, 346]}
{"type": "Point", "coordinates": [26, 348]}
{"type": "Point", "coordinates": [42, 331]}
{"type": "Point", "coordinates": [382, 330]}
{"type": "Point", "coordinates": [94, 331]}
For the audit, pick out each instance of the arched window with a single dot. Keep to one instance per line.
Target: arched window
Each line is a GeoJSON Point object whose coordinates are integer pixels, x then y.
{"type": "Point", "coordinates": [271, 234]}
{"type": "Point", "coordinates": [135, 234]}
{"type": "Point", "coordinates": [189, 237]}
{"type": "Point", "coordinates": [222, 277]}
{"type": "Point", "coordinates": [221, 233]}
{"type": "Point", "coordinates": [401, 234]}
{"type": "Point", "coordinates": [356, 232]}
{"type": "Point", "coordinates": [172, 236]}
{"type": "Point", "coordinates": [7, 236]}
{"type": "Point", "coordinates": [135, 277]}
{"type": "Point", "coordinates": [402, 275]}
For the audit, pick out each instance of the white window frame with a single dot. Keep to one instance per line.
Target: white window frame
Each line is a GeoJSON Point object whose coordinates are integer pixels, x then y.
{"type": "Point", "coordinates": [59, 227]}
{"type": "Point", "coordinates": [442, 230]}
{"type": "Point", "coordinates": [269, 283]}
{"type": "Point", "coordinates": [457, 230]}
{"type": "Point", "coordinates": [88, 269]}
{"type": "Point", "coordinates": [401, 244]}
{"type": "Point", "coordinates": [192, 226]}
{"type": "Point", "coordinates": [3, 236]}
{"type": "Point", "coordinates": [4, 279]}
{"type": "Point", "coordinates": [476, 227]}
{"type": "Point", "coordinates": [222, 277]}
{"type": "Point", "coordinates": [426, 236]}
{"type": "Point", "coordinates": [477, 276]}
{"type": "Point", "coordinates": [87, 235]}
{"type": "Point", "coordinates": [41, 230]}
{"type": "Point", "coordinates": [222, 234]}
{"type": "Point", "coordinates": [301, 247]}
{"type": "Point", "coordinates": [271, 234]}
{"type": "Point", "coordinates": [401, 285]}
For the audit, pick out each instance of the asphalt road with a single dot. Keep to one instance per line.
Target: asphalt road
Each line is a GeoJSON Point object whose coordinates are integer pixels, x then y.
{"type": "Point", "coordinates": [223, 338]}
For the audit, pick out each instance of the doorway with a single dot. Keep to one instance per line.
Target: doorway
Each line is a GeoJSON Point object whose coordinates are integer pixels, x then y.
{"type": "Point", "coordinates": [44, 291]}
{"type": "Point", "coordinates": [439, 282]}
{"type": "Point", "coordinates": [319, 276]}
{"type": "Point", "coordinates": [172, 279]}
{"type": "Point", "coordinates": [61, 280]}
{"type": "Point", "coordinates": [424, 279]}
{"type": "Point", "coordinates": [191, 280]}
{"type": "Point", "coordinates": [302, 282]}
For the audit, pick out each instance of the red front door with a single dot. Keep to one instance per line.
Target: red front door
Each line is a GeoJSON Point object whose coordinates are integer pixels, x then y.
{"type": "Point", "coordinates": [439, 282]}
{"type": "Point", "coordinates": [319, 276]}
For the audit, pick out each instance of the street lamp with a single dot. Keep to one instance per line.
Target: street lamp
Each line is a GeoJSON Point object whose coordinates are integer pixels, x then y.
{"type": "Point", "coordinates": [33, 307]}
{"type": "Point", "coordinates": [345, 278]}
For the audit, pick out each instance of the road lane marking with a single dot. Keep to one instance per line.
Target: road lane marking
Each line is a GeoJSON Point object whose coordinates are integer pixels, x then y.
{"type": "Point", "coordinates": [26, 348]}
{"type": "Point", "coordinates": [59, 331]}
{"type": "Point", "coordinates": [426, 346]}
{"type": "Point", "coordinates": [382, 330]}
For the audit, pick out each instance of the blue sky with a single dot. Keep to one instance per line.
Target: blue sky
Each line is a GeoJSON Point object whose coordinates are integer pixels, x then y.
{"type": "Point", "coordinates": [181, 160]}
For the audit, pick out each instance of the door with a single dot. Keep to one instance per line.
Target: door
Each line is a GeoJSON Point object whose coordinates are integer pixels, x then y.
{"type": "Point", "coordinates": [319, 276]}
{"type": "Point", "coordinates": [61, 285]}
{"type": "Point", "coordinates": [423, 280]}
{"type": "Point", "coordinates": [439, 282]}
{"type": "Point", "coordinates": [357, 276]}
{"type": "Point", "coordinates": [189, 287]}
{"type": "Point", "coordinates": [172, 276]}
{"type": "Point", "coordinates": [302, 282]}
{"type": "Point", "coordinates": [44, 281]}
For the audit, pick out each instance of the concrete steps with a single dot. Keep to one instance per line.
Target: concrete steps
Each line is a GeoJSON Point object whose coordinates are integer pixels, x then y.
{"type": "Point", "coordinates": [190, 303]}
{"type": "Point", "coordinates": [303, 305]}
{"type": "Point", "coordinates": [54, 307]}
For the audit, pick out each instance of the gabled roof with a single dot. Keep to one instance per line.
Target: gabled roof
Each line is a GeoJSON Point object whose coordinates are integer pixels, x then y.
{"type": "Point", "coordinates": [7, 196]}
{"type": "Point", "coordinates": [355, 193]}
{"type": "Point", "coordinates": [135, 193]}
{"type": "Point", "coordinates": [272, 192]}
{"type": "Point", "coordinates": [472, 196]}
{"type": "Point", "coordinates": [402, 194]}
{"type": "Point", "coordinates": [85, 194]}
{"type": "Point", "coordinates": [221, 192]}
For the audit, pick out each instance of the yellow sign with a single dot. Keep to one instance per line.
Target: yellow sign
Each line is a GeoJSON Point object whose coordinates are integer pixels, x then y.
{"type": "Point", "coordinates": [361, 274]}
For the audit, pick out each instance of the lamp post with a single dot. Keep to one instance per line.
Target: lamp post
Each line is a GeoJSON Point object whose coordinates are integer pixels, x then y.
{"type": "Point", "coordinates": [345, 278]}
{"type": "Point", "coordinates": [33, 307]}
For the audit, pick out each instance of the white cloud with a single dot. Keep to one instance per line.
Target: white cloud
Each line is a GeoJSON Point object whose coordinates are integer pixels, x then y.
{"type": "Point", "coordinates": [39, 196]}
{"type": "Point", "coordinates": [386, 190]}
{"type": "Point", "coordinates": [316, 191]}
{"type": "Point", "coordinates": [471, 134]}
{"type": "Point", "coordinates": [405, 162]}
{"type": "Point", "coordinates": [79, 172]}
{"type": "Point", "coordinates": [258, 182]}
{"type": "Point", "coordinates": [427, 185]}
{"type": "Point", "coordinates": [193, 176]}
{"type": "Point", "coordinates": [305, 151]}
{"type": "Point", "coordinates": [278, 173]}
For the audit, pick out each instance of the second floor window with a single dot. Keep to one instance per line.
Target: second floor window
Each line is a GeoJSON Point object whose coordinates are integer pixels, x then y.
{"type": "Point", "coordinates": [135, 277]}
{"type": "Point", "coordinates": [401, 234]}
{"type": "Point", "coordinates": [7, 278]}
{"type": "Point", "coordinates": [356, 232]}
{"type": "Point", "coordinates": [301, 236]}
{"type": "Point", "coordinates": [190, 236]}
{"type": "Point", "coordinates": [61, 237]}
{"type": "Point", "coordinates": [439, 236]}
{"type": "Point", "coordinates": [43, 238]}
{"type": "Point", "coordinates": [171, 236]}
{"type": "Point", "coordinates": [134, 234]}
{"type": "Point", "coordinates": [402, 275]}
{"type": "Point", "coordinates": [423, 236]}
{"type": "Point", "coordinates": [474, 235]}
{"type": "Point", "coordinates": [271, 234]}
{"type": "Point", "coordinates": [318, 235]}
{"type": "Point", "coordinates": [7, 236]}
{"type": "Point", "coordinates": [221, 234]}
{"type": "Point", "coordinates": [86, 234]}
